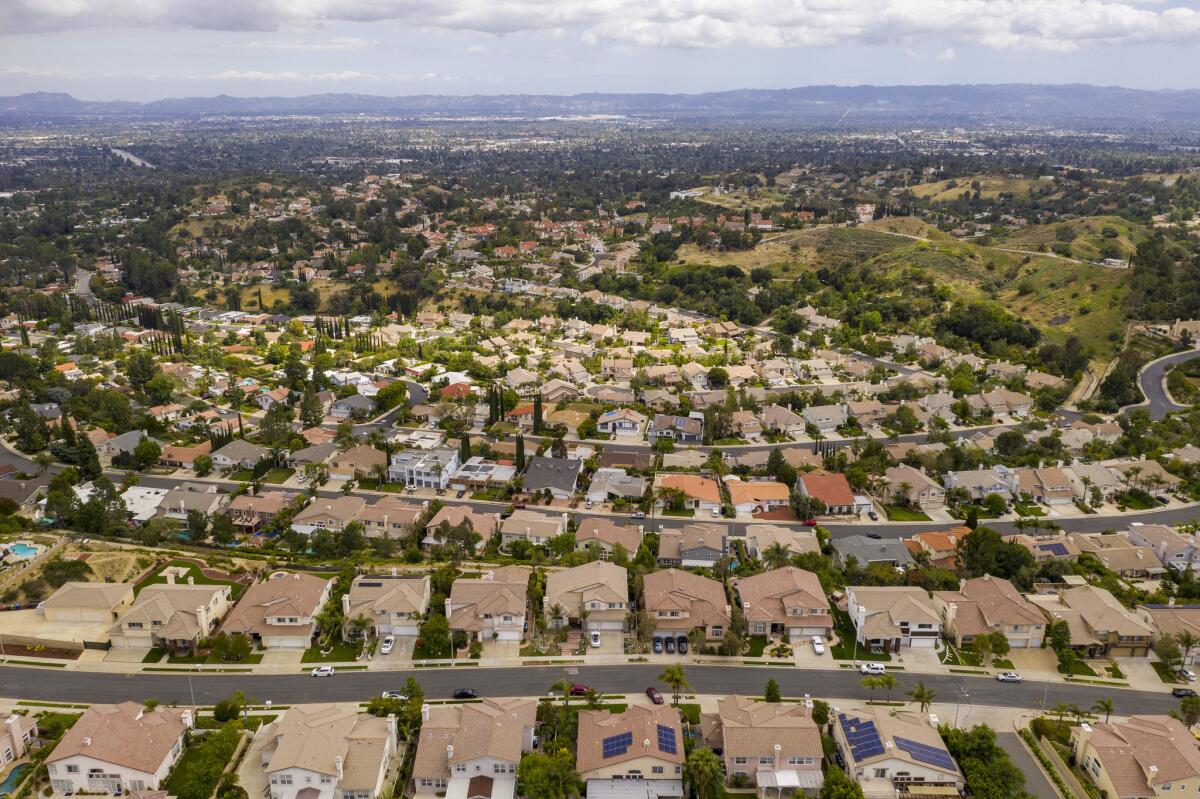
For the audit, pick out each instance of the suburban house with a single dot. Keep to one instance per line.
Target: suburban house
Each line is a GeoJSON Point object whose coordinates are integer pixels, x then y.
{"type": "Point", "coordinates": [643, 745]}
{"type": "Point", "coordinates": [1044, 548]}
{"type": "Point", "coordinates": [202, 498]}
{"type": "Point", "coordinates": [1143, 756]}
{"type": "Point", "coordinates": [754, 496]}
{"type": "Point", "coordinates": [866, 551]}
{"type": "Point", "coordinates": [1117, 553]}
{"type": "Point", "coordinates": [769, 745]}
{"type": "Point", "coordinates": [600, 532]}
{"type": "Point", "coordinates": [559, 476]}
{"type": "Point", "coordinates": [424, 468]}
{"type": "Point", "coordinates": [612, 483]}
{"type": "Point", "coordinates": [895, 753]}
{"type": "Point", "coordinates": [239, 454]}
{"type": "Point", "coordinates": [1173, 619]}
{"type": "Point", "coordinates": [252, 512]}
{"type": "Point", "coordinates": [389, 604]}
{"type": "Point", "coordinates": [389, 517]}
{"type": "Point", "coordinates": [1149, 475]}
{"type": "Point", "coordinates": [328, 513]}
{"type": "Point", "coordinates": [472, 750]}
{"type": "Point", "coordinates": [317, 454]}
{"type": "Point", "coordinates": [831, 488]}
{"type": "Point", "coordinates": [171, 616]}
{"type": "Point", "coordinates": [905, 485]}
{"type": "Point", "coordinates": [484, 524]}
{"type": "Point", "coordinates": [17, 732]}
{"type": "Point", "coordinates": [281, 611]}
{"type": "Point", "coordinates": [326, 752]}
{"type": "Point", "coordinates": [978, 483]}
{"type": "Point", "coordinates": [746, 425]}
{"type": "Point", "coordinates": [183, 457]}
{"type": "Point", "coordinates": [825, 418]}
{"type": "Point", "coordinates": [113, 749]}
{"type": "Point", "coordinates": [940, 547]}
{"type": "Point", "coordinates": [760, 538]}
{"type": "Point", "coordinates": [1175, 550]}
{"type": "Point", "coordinates": [700, 493]}
{"type": "Point", "coordinates": [681, 601]}
{"type": "Point", "coordinates": [491, 607]}
{"type": "Point", "coordinates": [888, 618]}
{"type": "Point", "coordinates": [1049, 485]}
{"type": "Point", "coordinates": [787, 601]}
{"type": "Point", "coordinates": [594, 595]}
{"type": "Point", "coordinates": [353, 406]}
{"type": "Point", "coordinates": [621, 422]}
{"type": "Point", "coordinates": [986, 605]}
{"type": "Point", "coordinates": [1100, 625]}
{"type": "Point", "coordinates": [357, 463]}
{"type": "Point", "coordinates": [75, 602]}
{"type": "Point", "coordinates": [532, 526]}
{"type": "Point", "coordinates": [698, 544]}
{"type": "Point", "coordinates": [682, 429]}
{"type": "Point", "coordinates": [781, 420]}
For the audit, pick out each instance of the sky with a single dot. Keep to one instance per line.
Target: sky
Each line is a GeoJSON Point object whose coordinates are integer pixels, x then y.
{"type": "Point", "coordinates": [149, 49]}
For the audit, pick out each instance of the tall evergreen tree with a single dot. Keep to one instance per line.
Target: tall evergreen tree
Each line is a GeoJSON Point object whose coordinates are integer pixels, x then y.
{"type": "Point", "coordinates": [520, 458]}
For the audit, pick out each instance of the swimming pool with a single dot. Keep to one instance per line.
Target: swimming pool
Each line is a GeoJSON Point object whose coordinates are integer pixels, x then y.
{"type": "Point", "coordinates": [24, 551]}
{"type": "Point", "coordinates": [13, 779]}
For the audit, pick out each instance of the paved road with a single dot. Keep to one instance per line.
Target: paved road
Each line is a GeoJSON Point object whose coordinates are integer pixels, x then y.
{"type": "Point", "coordinates": [84, 686]}
{"type": "Point", "coordinates": [82, 279]}
{"type": "Point", "coordinates": [1036, 781]}
{"type": "Point", "coordinates": [1152, 381]}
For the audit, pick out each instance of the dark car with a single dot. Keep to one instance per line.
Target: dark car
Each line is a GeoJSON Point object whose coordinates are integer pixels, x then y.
{"type": "Point", "coordinates": [681, 644]}
{"type": "Point", "coordinates": [669, 645]}
{"type": "Point", "coordinates": [466, 693]}
{"type": "Point", "coordinates": [654, 695]}
{"type": "Point", "coordinates": [462, 492]}
{"type": "Point", "coordinates": [1180, 693]}
{"type": "Point", "coordinates": [1163, 500]}
{"type": "Point", "coordinates": [875, 536]}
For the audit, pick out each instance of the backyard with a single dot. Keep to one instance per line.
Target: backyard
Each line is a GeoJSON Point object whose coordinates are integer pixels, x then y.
{"type": "Point", "coordinates": [193, 573]}
{"type": "Point", "coordinates": [845, 648]}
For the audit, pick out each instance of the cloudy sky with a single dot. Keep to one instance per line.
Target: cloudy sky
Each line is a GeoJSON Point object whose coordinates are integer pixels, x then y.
{"type": "Point", "coordinates": [146, 49]}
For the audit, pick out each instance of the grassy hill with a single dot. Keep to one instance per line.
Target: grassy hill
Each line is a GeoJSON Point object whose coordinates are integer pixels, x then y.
{"type": "Point", "coordinates": [1089, 238]}
{"type": "Point", "coordinates": [989, 187]}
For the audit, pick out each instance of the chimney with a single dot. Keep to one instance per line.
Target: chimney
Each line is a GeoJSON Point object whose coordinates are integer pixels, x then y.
{"type": "Point", "coordinates": [1171, 602]}
{"type": "Point", "coordinates": [1153, 773]}
{"type": "Point", "coordinates": [191, 580]}
{"type": "Point", "coordinates": [890, 745]}
{"type": "Point", "coordinates": [449, 752]}
{"type": "Point", "coordinates": [395, 572]}
{"type": "Point", "coordinates": [87, 741]}
{"type": "Point", "coordinates": [337, 763]}
{"type": "Point", "coordinates": [424, 713]}
{"type": "Point", "coordinates": [14, 732]}
{"type": "Point", "coordinates": [778, 756]}
{"type": "Point", "coordinates": [447, 607]}
{"type": "Point", "coordinates": [187, 718]}
{"type": "Point", "coordinates": [645, 743]}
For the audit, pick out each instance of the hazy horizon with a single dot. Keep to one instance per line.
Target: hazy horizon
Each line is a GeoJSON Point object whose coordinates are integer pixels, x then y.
{"type": "Point", "coordinates": [149, 49]}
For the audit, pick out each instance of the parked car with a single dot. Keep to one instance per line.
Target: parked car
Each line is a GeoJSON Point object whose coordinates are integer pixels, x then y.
{"type": "Point", "coordinates": [874, 536]}
{"type": "Point", "coordinates": [1163, 500]}
{"type": "Point", "coordinates": [519, 505]}
{"type": "Point", "coordinates": [394, 695]}
{"type": "Point", "coordinates": [639, 514]}
{"type": "Point", "coordinates": [716, 512]}
{"type": "Point", "coordinates": [323, 671]}
{"type": "Point", "coordinates": [872, 515]}
{"type": "Point", "coordinates": [462, 492]}
{"type": "Point", "coordinates": [595, 640]}
{"type": "Point", "coordinates": [588, 504]}
{"type": "Point", "coordinates": [1008, 676]}
{"type": "Point", "coordinates": [1187, 674]}
{"type": "Point", "coordinates": [872, 668]}
{"type": "Point", "coordinates": [681, 644]}
{"type": "Point", "coordinates": [385, 648]}
{"type": "Point", "coordinates": [669, 645]}
{"type": "Point", "coordinates": [818, 644]}
{"type": "Point", "coordinates": [658, 646]}
{"type": "Point", "coordinates": [810, 522]}
{"type": "Point", "coordinates": [579, 689]}
{"type": "Point", "coordinates": [654, 695]}
{"type": "Point", "coordinates": [466, 693]}
{"type": "Point", "coordinates": [1180, 693]}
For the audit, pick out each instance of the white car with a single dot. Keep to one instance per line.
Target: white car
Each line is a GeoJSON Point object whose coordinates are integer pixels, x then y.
{"type": "Point", "coordinates": [716, 512]}
{"type": "Point", "coordinates": [872, 668]}
{"type": "Point", "coordinates": [595, 640]}
{"type": "Point", "coordinates": [385, 648]}
{"type": "Point", "coordinates": [1187, 674]}
{"type": "Point", "coordinates": [323, 671]}
{"type": "Point", "coordinates": [1008, 676]}
{"type": "Point", "coordinates": [818, 644]}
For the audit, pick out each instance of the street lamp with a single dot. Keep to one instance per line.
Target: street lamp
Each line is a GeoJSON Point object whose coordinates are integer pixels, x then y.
{"type": "Point", "coordinates": [963, 696]}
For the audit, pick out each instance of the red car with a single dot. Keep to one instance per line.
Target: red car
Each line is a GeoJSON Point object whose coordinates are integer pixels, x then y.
{"type": "Point", "coordinates": [810, 522]}
{"type": "Point", "coordinates": [578, 689]}
{"type": "Point", "coordinates": [519, 505]}
{"type": "Point", "coordinates": [654, 695]}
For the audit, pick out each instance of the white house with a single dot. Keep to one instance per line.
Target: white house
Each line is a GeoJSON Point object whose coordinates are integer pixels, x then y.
{"type": "Point", "coordinates": [324, 752]}
{"type": "Point", "coordinates": [112, 749]}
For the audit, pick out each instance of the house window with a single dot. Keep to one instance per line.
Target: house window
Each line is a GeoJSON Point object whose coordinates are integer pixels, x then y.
{"type": "Point", "coordinates": [326, 779]}
{"type": "Point", "coordinates": [766, 761]}
{"type": "Point", "coordinates": [72, 769]}
{"type": "Point", "coordinates": [739, 761]}
{"type": "Point", "coordinates": [880, 773]}
{"type": "Point", "coordinates": [656, 769]}
{"type": "Point", "coordinates": [717, 632]}
{"type": "Point", "coordinates": [799, 761]}
{"type": "Point", "coordinates": [740, 774]}
{"type": "Point", "coordinates": [460, 768]}
{"type": "Point", "coordinates": [137, 785]}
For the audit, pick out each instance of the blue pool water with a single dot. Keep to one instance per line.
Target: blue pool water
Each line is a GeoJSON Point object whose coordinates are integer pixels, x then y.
{"type": "Point", "coordinates": [23, 551]}
{"type": "Point", "coordinates": [13, 779]}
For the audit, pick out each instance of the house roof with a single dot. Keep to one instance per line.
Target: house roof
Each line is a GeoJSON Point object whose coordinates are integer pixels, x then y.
{"type": "Point", "coordinates": [696, 487]}
{"type": "Point", "coordinates": [774, 595]}
{"type": "Point", "coordinates": [500, 591]}
{"type": "Point", "coordinates": [556, 473]}
{"type": "Point", "coordinates": [598, 528]}
{"type": "Point", "coordinates": [650, 731]}
{"type": "Point", "coordinates": [895, 729]}
{"type": "Point", "coordinates": [89, 595]}
{"type": "Point", "coordinates": [702, 598]}
{"type": "Point", "coordinates": [124, 735]}
{"type": "Point", "coordinates": [673, 543]}
{"type": "Point", "coordinates": [289, 594]}
{"type": "Point", "coordinates": [315, 737]}
{"type": "Point", "coordinates": [751, 491]}
{"type": "Point", "coordinates": [598, 581]}
{"type": "Point", "coordinates": [987, 601]}
{"type": "Point", "coordinates": [460, 733]}
{"type": "Point", "coordinates": [1129, 749]}
{"type": "Point", "coordinates": [750, 728]}
{"type": "Point", "coordinates": [371, 594]}
{"type": "Point", "coordinates": [829, 487]}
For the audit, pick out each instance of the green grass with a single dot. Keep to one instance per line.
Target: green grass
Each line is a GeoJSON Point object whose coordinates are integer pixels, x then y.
{"type": "Point", "coordinates": [1135, 502]}
{"type": "Point", "coordinates": [1001, 663]}
{"type": "Point", "coordinates": [154, 656]}
{"type": "Point", "coordinates": [690, 712]}
{"type": "Point", "coordinates": [1164, 673]}
{"type": "Point", "coordinates": [278, 475]}
{"type": "Point", "coordinates": [193, 572]}
{"type": "Point", "coordinates": [956, 656]}
{"type": "Point", "coordinates": [1079, 669]}
{"type": "Point", "coordinates": [241, 475]}
{"type": "Point", "coordinates": [895, 513]}
{"type": "Point", "coordinates": [341, 653]}
{"type": "Point", "coordinates": [757, 644]}
{"type": "Point", "coordinates": [1029, 509]}
{"type": "Point", "coordinates": [686, 513]}
{"type": "Point", "coordinates": [845, 649]}
{"type": "Point", "coordinates": [369, 484]}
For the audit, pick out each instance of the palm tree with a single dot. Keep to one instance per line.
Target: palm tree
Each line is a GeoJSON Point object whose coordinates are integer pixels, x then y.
{"type": "Point", "coordinates": [703, 772]}
{"type": "Point", "coordinates": [1104, 706]}
{"type": "Point", "coordinates": [923, 696]}
{"type": "Point", "coordinates": [565, 686]}
{"type": "Point", "coordinates": [43, 460]}
{"type": "Point", "coordinates": [674, 677]}
{"type": "Point", "coordinates": [776, 556]}
{"type": "Point", "coordinates": [592, 699]}
{"type": "Point", "coordinates": [871, 684]}
{"type": "Point", "coordinates": [556, 612]}
{"type": "Point", "coordinates": [1186, 642]}
{"type": "Point", "coordinates": [888, 682]}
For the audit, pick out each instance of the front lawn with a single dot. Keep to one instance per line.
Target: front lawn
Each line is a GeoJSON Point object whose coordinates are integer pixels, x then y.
{"type": "Point", "coordinates": [278, 475]}
{"type": "Point", "coordinates": [1164, 672]}
{"type": "Point", "coordinates": [686, 513]}
{"type": "Point", "coordinates": [1079, 669]}
{"type": "Point", "coordinates": [757, 644]}
{"type": "Point", "coordinates": [341, 653]}
{"type": "Point", "coordinates": [193, 573]}
{"type": "Point", "coordinates": [1029, 509]}
{"type": "Point", "coordinates": [955, 656]}
{"type": "Point", "coordinates": [1135, 501]}
{"type": "Point", "coordinates": [241, 475]}
{"type": "Point", "coordinates": [845, 649]}
{"type": "Point", "coordinates": [1002, 663]}
{"type": "Point", "coordinates": [895, 513]}
{"type": "Point", "coordinates": [370, 484]}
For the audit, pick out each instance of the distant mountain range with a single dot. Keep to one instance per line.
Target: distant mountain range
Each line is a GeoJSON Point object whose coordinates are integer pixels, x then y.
{"type": "Point", "coordinates": [854, 105]}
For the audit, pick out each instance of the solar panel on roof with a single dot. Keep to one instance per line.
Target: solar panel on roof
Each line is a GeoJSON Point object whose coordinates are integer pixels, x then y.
{"type": "Point", "coordinates": [1059, 550]}
{"type": "Point", "coordinates": [617, 744]}
{"type": "Point", "coordinates": [926, 754]}
{"type": "Point", "coordinates": [862, 736]}
{"type": "Point", "coordinates": [666, 739]}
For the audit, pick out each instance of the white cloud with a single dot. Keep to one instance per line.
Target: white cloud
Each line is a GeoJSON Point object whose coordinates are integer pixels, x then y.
{"type": "Point", "coordinates": [1047, 25]}
{"type": "Point", "coordinates": [947, 55]}
{"type": "Point", "coordinates": [31, 72]}
{"type": "Point", "coordinates": [285, 76]}
{"type": "Point", "coordinates": [339, 44]}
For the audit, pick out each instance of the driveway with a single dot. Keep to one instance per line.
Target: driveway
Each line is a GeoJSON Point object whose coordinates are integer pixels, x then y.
{"type": "Point", "coordinates": [1036, 781]}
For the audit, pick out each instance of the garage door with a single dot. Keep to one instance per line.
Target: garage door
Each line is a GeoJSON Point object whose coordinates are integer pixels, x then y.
{"type": "Point", "coordinates": [509, 635]}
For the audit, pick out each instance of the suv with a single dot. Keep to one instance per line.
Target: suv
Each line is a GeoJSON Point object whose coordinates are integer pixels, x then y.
{"type": "Point", "coordinates": [322, 671]}
{"type": "Point", "coordinates": [872, 668]}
